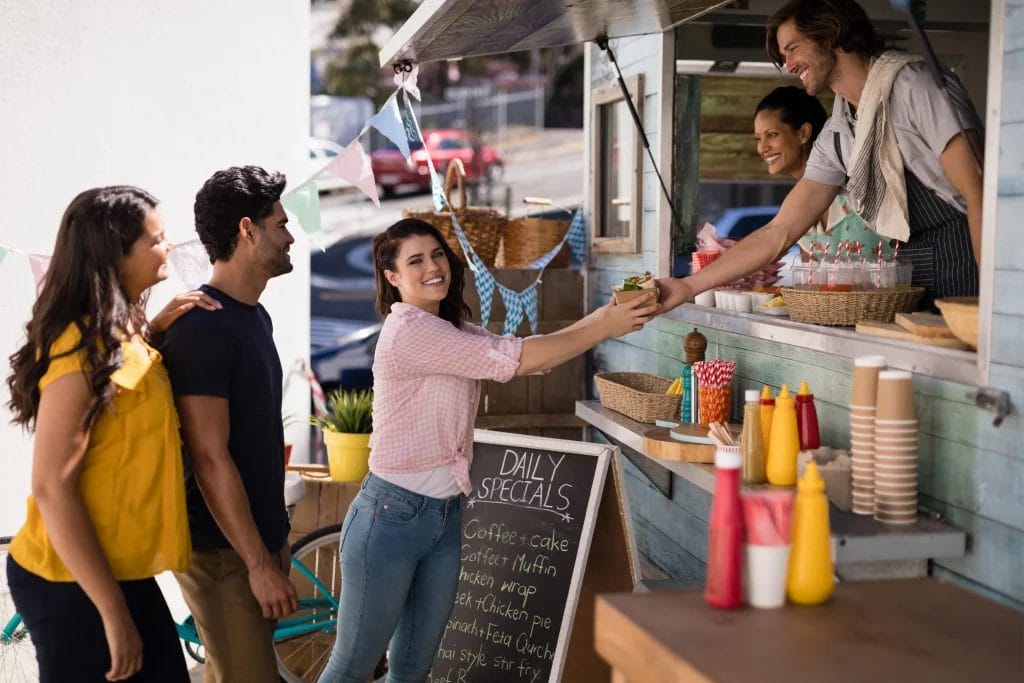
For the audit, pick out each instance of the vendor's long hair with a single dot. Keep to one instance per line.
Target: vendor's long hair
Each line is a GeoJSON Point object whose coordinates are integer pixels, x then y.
{"type": "Point", "coordinates": [385, 251]}
{"type": "Point", "coordinates": [82, 287]}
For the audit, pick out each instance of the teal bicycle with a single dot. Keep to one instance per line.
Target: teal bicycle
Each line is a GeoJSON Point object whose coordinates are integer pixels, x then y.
{"type": "Point", "coordinates": [17, 656]}
{"type": "Point", "coordinates": [302, 642]}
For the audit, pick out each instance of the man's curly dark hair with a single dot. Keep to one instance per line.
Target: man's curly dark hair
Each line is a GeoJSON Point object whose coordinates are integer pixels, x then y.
{"type": "Point", "coordinates": [228, 197]}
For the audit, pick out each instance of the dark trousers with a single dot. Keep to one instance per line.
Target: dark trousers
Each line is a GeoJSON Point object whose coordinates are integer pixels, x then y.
{"type": "Point", "coordinates": [68, 636]}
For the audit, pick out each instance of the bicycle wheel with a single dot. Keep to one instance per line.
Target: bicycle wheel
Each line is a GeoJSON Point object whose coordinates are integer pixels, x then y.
{"type": "Point", "coordinates": [303, 641]}
{"type": "Point", "coordinates": [17, 656]}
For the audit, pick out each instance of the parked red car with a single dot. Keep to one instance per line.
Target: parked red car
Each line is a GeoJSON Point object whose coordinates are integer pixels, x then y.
{"type": "Point", "coordinates": [391, 169]}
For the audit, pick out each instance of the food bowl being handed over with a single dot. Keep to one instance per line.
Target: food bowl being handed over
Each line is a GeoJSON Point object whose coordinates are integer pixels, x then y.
{"type": "Point", "coordinates": [634, 286]}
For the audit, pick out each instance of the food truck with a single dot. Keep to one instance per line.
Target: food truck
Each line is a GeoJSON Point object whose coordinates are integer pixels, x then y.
{"type": "Point", "coordinates": [693, 72]}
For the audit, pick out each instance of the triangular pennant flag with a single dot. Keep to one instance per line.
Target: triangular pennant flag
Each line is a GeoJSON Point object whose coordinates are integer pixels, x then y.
{"type": "Point", "coordinates": [304, 203]}
{"type": "Point", "coordinates": [191, 263]}
{"type": "Point", "coordinates": [485, 290]}
{"type": "Point", "coordinates": [389, 122]}
{"type": "Point", "coordinates": [577, 237]}
{"type": "Point", "coordinates": [39, 263]}
{"type": "Point", "coordinates": [406, 80]}
{"type": "Point", "coordinates": [542, 262]}
{"type": "Point", "coordinates": [3, 253]}
{"type": "Point", "coordinates": [530, 303]}
{"type": "Point", "coordinates": [353, 164]}
{"type": "Point", "coordinates": [513, 308]}
{"type": "Point", "coordinates": [412, 130]}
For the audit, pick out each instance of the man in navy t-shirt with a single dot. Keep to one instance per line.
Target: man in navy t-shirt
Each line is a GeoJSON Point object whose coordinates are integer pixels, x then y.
{"type": "Point", "coordinates": [227, 385]}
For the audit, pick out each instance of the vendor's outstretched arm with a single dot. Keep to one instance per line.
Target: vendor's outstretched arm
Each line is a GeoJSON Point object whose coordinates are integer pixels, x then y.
{"type": "Point", "coordinates": [802, 207]}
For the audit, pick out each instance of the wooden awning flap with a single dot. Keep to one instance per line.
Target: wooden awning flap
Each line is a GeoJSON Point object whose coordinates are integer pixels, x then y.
{"type": "Point", "coordinates": [451, 29]}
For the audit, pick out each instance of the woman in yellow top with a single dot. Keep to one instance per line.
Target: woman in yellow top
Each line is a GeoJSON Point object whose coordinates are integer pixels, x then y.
{"type": "Point", "coordinates": [107, 510]}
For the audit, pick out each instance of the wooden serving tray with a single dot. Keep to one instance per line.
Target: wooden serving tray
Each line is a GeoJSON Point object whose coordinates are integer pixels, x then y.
{"type": "Point", "coordinates": [658, 443]}
{"type": "Point", "coordinates": [894, 331]}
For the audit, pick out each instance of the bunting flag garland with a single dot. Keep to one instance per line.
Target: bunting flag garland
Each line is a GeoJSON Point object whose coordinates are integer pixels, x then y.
{"type": "Point", "coordinates": [406, 80]}
{"type": "Point", "coordinates": [391, 125]}
{"type": "Point", "coordinates": [353, 164]}
{"type": "Point", "coordinates": [39, 263]}
{"type": "Point", "coordinates": [191, 263]}
{"type": "Point", "coordinates": [412, 129]}
{"type": "Point", "coordinates": [577, 238]}
{"type": "Point", "coordinates": [304, 202]}
{"type": "Point", "coordinates": [396, 121]}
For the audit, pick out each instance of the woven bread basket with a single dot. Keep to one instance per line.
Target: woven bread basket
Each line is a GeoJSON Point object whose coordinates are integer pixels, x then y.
{"type": "Point", "coordinates": [849, 308]}
{"type": "Point", "coordinates": [528, 238]}
{"type": "Point", "coordinates": [484, 226]}
{"type": "Point", "coordinates": [637, 395]}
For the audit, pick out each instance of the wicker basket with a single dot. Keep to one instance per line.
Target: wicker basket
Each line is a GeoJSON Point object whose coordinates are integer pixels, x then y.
{"type": "Point", "coordinates": [637, 395]}
{"type": "Point", "coordinates": [484, 226]}
{"type": "Point", "coordinates": [849, 308]}
{"type": "Point", "coordinates": [528, 238]}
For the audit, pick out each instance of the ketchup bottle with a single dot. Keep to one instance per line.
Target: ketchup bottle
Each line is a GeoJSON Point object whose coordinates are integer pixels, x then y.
{"type": "Point", "coordinates": [807, 419]}
{"type": "Point", "coordinates": [724, 587]}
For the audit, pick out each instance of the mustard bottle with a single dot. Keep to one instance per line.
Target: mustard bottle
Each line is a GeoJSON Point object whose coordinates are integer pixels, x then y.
{"type": "Point", "coordinates": [784, 441]}
{"type": "Point", "coordinates": [767, 406]}
{"type": "Point", "coordinates": [809, 580]}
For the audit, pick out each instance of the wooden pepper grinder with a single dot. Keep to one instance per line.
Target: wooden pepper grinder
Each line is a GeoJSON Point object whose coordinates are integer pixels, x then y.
{"type": "Point", "coordinates": [694, 346]}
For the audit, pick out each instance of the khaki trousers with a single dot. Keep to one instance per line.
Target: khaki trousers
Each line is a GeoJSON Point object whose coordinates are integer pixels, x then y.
{"type": "Point", "coordinates": [239, 642]}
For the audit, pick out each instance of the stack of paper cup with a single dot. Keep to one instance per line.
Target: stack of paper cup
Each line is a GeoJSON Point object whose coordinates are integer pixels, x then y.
{"type": "Point", "coordinates": [862, 431]}
{"type": "Point", "coordinates": [895, 449]}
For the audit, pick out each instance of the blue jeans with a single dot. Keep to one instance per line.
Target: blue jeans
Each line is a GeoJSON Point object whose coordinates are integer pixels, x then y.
{"type": "Point", "coordinates": [400, 560]}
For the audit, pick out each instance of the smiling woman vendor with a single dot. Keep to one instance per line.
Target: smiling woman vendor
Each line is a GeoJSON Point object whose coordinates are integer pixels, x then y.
{"type": "Point", "coordinates": [786, 124]}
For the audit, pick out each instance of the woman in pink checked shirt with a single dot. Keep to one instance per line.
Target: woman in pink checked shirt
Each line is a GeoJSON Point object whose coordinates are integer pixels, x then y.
{"type": "Point", "coordinates": [400, 549]}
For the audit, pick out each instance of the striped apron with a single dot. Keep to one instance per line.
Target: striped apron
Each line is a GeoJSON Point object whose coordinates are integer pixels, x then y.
{"type": "Point", "coordinates": [939, 246]}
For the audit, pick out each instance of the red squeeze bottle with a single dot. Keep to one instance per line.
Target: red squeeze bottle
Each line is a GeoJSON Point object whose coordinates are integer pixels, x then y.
{"type": "Point", "coordinates": [807, 419]}
{"type": "Point", "coordinates": [724, 587]}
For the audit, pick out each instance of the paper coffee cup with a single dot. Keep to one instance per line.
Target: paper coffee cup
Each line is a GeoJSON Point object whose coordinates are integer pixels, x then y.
{"type": "Point", "coordinates": [895, 397]}
{"type": "Point", "coordinates": [865, 379]}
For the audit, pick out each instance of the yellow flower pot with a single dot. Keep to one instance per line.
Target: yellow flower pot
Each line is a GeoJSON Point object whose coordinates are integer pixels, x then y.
{"type": "Point", "coordinates": [348, 455]}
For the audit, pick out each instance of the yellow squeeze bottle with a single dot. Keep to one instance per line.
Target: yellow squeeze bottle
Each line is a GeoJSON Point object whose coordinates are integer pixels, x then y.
{"type": "Point", "coordinates": [783, 441]}
{"type": "Point", "coordinates": [767, 407]}
{"type": "Point", "coordinates": [809, 580]}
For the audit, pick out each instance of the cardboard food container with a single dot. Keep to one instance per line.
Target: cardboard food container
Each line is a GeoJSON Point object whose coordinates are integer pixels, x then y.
{"type": "Point", "coordinates": [621, 297]}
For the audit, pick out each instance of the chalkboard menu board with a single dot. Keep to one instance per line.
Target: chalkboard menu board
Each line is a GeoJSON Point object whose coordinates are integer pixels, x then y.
{"type": "Point", "coordinates": [526, 531]}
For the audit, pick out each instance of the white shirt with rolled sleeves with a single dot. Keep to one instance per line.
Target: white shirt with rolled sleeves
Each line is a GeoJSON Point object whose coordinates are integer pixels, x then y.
{"type": "Point", "coordinates": [426, 382]}
{"type": "Point", "coordinates": [923, 123]}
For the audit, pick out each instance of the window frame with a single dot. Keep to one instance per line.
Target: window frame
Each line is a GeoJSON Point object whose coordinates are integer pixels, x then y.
{"type": "Point", "coordinates": [609, 96]}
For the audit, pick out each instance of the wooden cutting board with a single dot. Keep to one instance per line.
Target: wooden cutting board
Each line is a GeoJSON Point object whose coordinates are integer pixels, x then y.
{"type": "Point", "coordinates": [924, 325]}
{"type": "Point", "coordinates": [658, 443]}
{"type": "Point", "coordinates": [894, 331]}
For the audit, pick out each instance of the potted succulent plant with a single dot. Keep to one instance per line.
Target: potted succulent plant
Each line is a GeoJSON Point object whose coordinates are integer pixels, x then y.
{"type": "Point", "coordinates": [347, 426]}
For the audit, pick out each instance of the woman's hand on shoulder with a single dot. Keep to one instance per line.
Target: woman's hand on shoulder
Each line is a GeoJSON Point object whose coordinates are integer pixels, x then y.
{"type": "Point", "coordinates": [179, 306]}
{"type": "Point", "coordinates": [674, 291]}
{"type": "Point", "coordinates": [631, 316]}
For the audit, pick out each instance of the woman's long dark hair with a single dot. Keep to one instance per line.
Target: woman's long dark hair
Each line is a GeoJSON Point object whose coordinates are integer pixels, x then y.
{"type": "Point", "coordinates": [83, 287]}
{"type": "Point", "coordinates": [385, 251]}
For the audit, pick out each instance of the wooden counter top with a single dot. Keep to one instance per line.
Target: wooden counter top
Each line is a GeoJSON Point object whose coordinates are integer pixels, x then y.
{"type": "Point", "coordinates": [909, 630]}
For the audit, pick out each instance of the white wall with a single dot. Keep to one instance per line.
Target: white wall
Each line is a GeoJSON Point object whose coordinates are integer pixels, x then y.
{"type": "Point", "coordinates": [158, 94]}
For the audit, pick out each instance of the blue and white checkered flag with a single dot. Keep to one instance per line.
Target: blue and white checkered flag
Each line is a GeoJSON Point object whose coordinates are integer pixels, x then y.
{"type": "Point", "coordinates": [412, 131]}
{"type": "Point", "coordinates": [543, 261]}
{"type": "Point", "coordinates": [530, 303]}
{"type": "Point", "coordinates": [577, 237]}
{"type": "Point", "coordinates": [513, 308]}
{"type": "Point", "coordinates": [485, 290]}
